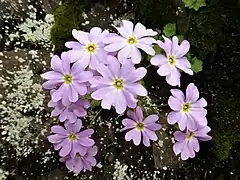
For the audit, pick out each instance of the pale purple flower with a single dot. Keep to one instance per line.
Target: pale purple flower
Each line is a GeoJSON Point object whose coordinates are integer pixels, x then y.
{"type": "Point", "coordinates": [141, 129]}
{"type": "Point", "coordinates": [118, 85]}
{"type": "Point", "coordinates": [80, 162]}
{"type": "Point", "coordinates": [70, 140]}
{"type": "Point", "coordinates": [70, 112]}
{"type": "Point", "coordinates": [188, 111]}
{"type": "Point", "coordinates": [131, 40]}
{"type": "Point", "coordinates": [70, 81]}
{"type": "Point", "coordinates": [173, 61]}
{"type": "Point", "coordinates": [90, 48]}
{"type": "Point", "coordinates": [187, 142]}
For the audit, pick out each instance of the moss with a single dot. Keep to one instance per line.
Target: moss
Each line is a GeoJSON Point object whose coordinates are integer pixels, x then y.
{"type": "Point", "coordinates": [67, 16]}
{"type": "Point", "coordinates": [224, 119]}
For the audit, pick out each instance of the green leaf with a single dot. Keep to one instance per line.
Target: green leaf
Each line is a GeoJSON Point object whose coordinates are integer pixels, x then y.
{"type": "Point", "coordinates": [194, 4]}
{"type": "Point", "coordinates": [196, 65]}
{"type": "Point", "coordinates": [170, 29]}
{"type": "Point", "coordinates": [95, 103]}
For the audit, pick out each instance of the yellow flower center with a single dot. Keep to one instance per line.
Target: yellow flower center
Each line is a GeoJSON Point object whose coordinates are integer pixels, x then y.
{"type": "Point", "coordinates": [171, 60]}
{"type": "Point", "coordinates": [190, 135]}
{"type": "Point", "coordinates": [118, 84]}
{"type": "Point", "coordinates": [186, 107]}
{"type": "Point", "coordinates": [90, 48]}
{"type": "Point", "coordinates": [132, 40]}
{"type": "Point", "coordinates": [68, 78]}
{"type": "Point", "coordinates": [72, 136]}
{"type": "Point", "coordinates": [139, 126]}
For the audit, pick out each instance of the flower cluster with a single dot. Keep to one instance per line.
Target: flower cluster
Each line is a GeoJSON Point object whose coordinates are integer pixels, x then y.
{"type": "Point", "coordinates": [102, 64]}
{"type": "Point", "coordinates": [68, 83]}
{"type": "Point", "coordinates": [190, 114]}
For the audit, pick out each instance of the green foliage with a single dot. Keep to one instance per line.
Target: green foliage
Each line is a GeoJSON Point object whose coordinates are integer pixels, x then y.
{"type": "Point", "coordinates": [194, 4]}
{"type": "Point", "coordinates": [67, 16]}
{"type": "Point", "coordinates": [196, 65]}
{"type": "Point", "coordinates": [170, 29]}
{"type": "Point", "coordinates": [95, 103]}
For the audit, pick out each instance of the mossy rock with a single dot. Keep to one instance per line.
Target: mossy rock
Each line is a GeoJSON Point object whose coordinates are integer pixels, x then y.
{"type": "Point", "coordinates": [67, 16]}
{"type": "Point", "coordinates": [212, 32]}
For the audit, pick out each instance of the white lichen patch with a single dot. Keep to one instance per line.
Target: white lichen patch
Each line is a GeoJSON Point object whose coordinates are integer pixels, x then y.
{"type": "Point", "coordinates": [34, 31]}
{"type": "Point", "coordinates": [120, 172]}
{"type": "Point", "coordinates": [3, 174]}
{"type": "Point", "coordinates": [21, 110]}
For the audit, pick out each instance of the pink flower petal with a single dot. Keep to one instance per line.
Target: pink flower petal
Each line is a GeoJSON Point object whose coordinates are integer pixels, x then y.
{"type": "Point", "coordinates": [182, 123]}
{"type": "Point", "coordinates": [95, 33]}
{"type": "Point", "coordinates": [158, 60]}
{"type": "Point", "coordinates": [146, 140]}
{"type": "Point", "coordinates": [81, 36]}
{"type": "Point", "coordinates": [180, 136]}
{"type": "Point", "coordinates": [153, 126]}
{"type": "Point", "coordinates": [66, 148]}
{"type": "Point", "coordinates": [139, 30]}
{"type": "Point", "coordinates": [166, 46]}
{"type": "Point", "coordinates": [84, 76]}
{"type": "Point", "coordinates": [178, 94]}
{"type": "Point", "coordinates": [177, 147]}
{"type": "Point", "coordinates": [73, 94]}
{"type": "Point", "coordinates": [77, 68]}
{"type": "Point", "coordinates": [174, 117]}
{"type": "Point", "coordinates": [51, 84]}
{"type": "Point", "coordinates": [164, 70]}
{"type": "Point", "coordinates": [146, 48]}
{"type": "Point", "coordinates": [136, 55]}
{"type": "Point", "coordinates": [52, 75]}
{"type": "Point", "coordinates": [151, 134]}
{"type": "Point", "coordinates": [174, 77]}
{"type": "Point", "coordinates": [129, 122]}
{"type": "Point", "coordinates": [104, 71]}
{"type": "Point", "coordinates": [134, 135]}
{"type": "Point", "coordinates": [80, 88]}
{"type": "Point", "coordinates": [128, 26]}
{"type": "Point", "coordinates": [139, 113]}
{"type": "Point", "coordinates": [184, 64]}
{"type": "Point", "coordinates": [147, 40]}
{"type": "Point", "coordinates": [73, 45]}
{"type": "Point", "coordinates": [108, 100]}
{"type": "Point", "coordinates": [124, 53]}
{"type": "Point", "coordinates": [136, 89]}
{"type": "Point", "coordinates": [56, 138]}
{"type": "Point", "coordinates": [58, 130]}
{"type": "Point", "coordinates": [136, 75]}
{"type": "Point", "coordinates": [101, 93]}
{"type": "Point", "coordinates": [185, 153]}
{"type": "Point", "coordinates": [174, 103]}
{"type": "Point", "coordinates": [192, 93]}
{"type": "Point", "coordinates": [56, 64]}
{"type": "Point", "coordinates": [200, 103]}
{"type": "Point", "coordinates": [131, 99]}
{"type": "Point", "coordinates": [132, 115]}
{"type": "Point", "coordinates": [114, 47]}
{"type": "Point", "coordinates": [120, 103]}
{"type": "Point", "coordinates": [194, 144]}
{"type": "Point", "coordinates": [57, 95]}
{"type": "Point", "coordinates": [182, 49]}
{"type": "Point", "coordinates": [151, 119]}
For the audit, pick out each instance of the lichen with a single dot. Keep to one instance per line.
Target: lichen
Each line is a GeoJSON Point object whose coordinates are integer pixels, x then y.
{"type": "Point", "coordinates": [21, 110]}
